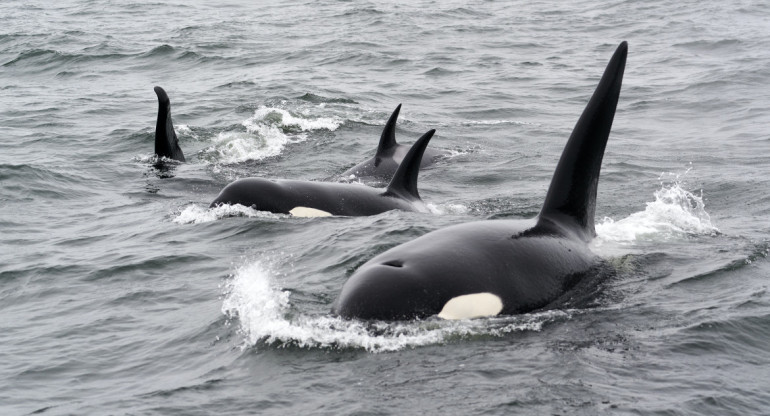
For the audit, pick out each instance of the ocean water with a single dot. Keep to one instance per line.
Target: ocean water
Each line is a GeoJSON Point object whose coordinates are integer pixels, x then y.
{"type": "Point", "coordinates": [121, 292]}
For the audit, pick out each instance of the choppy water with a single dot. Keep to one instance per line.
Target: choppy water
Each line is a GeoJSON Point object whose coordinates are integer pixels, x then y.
{"type": "Point", "coordinates": [122, 293]}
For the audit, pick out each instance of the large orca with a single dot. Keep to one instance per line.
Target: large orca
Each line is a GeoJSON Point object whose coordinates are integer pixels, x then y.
{"type": "Point", "coordinates": [312, 199]}
{"type": "Point", "coordinates": [388, 156]}
{"type": "Point", "coordinates": [166, 143]}
{"type": "Point", "coordinates": [496, 267]}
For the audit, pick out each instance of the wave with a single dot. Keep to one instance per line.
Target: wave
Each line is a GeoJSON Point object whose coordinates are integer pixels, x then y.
{"type": "Point", "coordinates": [40, 60]}
{"type": "Point", "coordinates": [22, 181]}
{"type": "Point", "coordinates": [732, 332]}
{"type": "Point", "coordinates": [320, 99]}
{"type": "Point", "coordinates": [470, 123]}
{"type": "Point", "coordinates": [167, 51]}
{"type": "Point", "coordinates": [710, 45]}
{"type": "Point", "coordinates": [756, 252]}
{"type": "Point", "coordinates": [35, 57]}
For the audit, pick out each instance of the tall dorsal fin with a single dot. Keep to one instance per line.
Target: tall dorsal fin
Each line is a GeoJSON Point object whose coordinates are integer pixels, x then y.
{"type": "Point", "coordinates": [388, 137]}
{"type": "Point", "coordinates": [404, 182]}
{"type": "Point", "coordinates": [166, 143]}
{"type": "Point", "coordinates": [573, 188]}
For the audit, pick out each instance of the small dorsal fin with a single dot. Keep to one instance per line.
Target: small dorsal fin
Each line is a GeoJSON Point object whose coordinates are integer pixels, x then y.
{"type": "Point", "coordinates": [572, 193]}
{"type": "Point", "coordinates": [404, 182]}
{"type": "Point", "coordinates": [166, 143]}
{"type": "Point", "coordinates": [388, 137]}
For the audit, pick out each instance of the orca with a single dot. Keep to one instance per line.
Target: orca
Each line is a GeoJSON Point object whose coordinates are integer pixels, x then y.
{"type": "Point", "coordinates": [494, 267]}
{"type": "Point", "coordinates": [166, 143]}
{"type": "Point", "coordinates": [388, 156]}
{"type": "Point", "coordinates": [312, 199]}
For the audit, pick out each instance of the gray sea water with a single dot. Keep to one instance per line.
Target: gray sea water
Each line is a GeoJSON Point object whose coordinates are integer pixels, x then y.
{"type": "Point", "coordinates": [121, 292]}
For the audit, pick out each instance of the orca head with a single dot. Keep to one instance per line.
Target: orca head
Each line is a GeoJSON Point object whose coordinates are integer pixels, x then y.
{"type": "Point", "coordinates": [407, 289]}
{"type": "Point", "coordinates": [386, 290]}
{"type": "Point", "coordinates": [260, 194]}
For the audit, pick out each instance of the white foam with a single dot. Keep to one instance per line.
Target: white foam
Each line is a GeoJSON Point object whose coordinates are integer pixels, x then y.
{"type": "Point", "coordinates": [194, 214]}
{"type": "Point", "coordinates": [183, 129]}
{"type": "Point", "coordinates": [675, 213]}
{"type": "Point", "coordinates": [259, 142]}
{"type": "Point", "coordinates": [265, 315]}
{"type": "Point", "coordinates": [443, 209]}
{"type": "Point", "coordinates": [146, 159]}
{"type": "Point", "coordinates": [453, 153]}
{"type": "Point", "coordinates": [268, 131]}
{"type": "Point", "coordinates": [289, 121]}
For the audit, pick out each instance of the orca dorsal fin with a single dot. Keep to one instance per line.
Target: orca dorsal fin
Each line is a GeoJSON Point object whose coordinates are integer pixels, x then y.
{"type": "Point", "coordinates": [166, 143]}
{"type": "Point", "coordinates": [572, 192]}
{"type": "Point", "coordinates": [388, 137]}
{"type": "Point", "coordinates": [404, 182]}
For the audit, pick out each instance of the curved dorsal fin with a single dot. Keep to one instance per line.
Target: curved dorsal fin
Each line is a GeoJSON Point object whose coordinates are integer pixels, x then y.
{"type": "Point", "coordinates": [388, 137]}
{"type": "Point", "coordinates": [572, 193]}
{"type": "Point", "coordinates": [404, 182]}
{"type": "Point", "coordinates": [166, 143]}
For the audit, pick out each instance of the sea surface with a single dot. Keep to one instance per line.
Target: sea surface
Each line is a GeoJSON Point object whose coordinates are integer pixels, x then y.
{"type": "Point", "coordinates": [122, 293]}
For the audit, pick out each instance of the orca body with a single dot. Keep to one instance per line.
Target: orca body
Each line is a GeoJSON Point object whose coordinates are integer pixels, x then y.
{"type": "Point", "coordinates": [166, 143]}
{"type": "Point", "coordinates": [496, 267]}
{"type": "Point", "coordinates": [389, 156]}
{"type": "Point", "coordinates": [306, 198]}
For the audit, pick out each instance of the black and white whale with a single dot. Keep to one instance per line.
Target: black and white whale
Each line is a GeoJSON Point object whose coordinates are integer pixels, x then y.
{"type": "Point", "coordinates": [314, 199]}
{"type": "Point", "coordinates": [388, 156]}
{"type": "Point", "coordinates": [166, 143]}
{"type": "Point", "coordinates": [493, 267]}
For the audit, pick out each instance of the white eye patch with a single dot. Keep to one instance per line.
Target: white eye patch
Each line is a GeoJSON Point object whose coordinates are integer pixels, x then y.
{"type": "Point", "coordinates": [475, 305]}
{"type": "Point", "coordinates": [306, 212]}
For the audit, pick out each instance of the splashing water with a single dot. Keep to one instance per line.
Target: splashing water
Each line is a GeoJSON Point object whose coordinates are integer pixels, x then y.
{"type": "Point", "coordinates": [675, 213]}
{"type": "Point", "coordinates": [266, 317]}
{"type": "Point", "coordinates": [289, 122]}
{"type": "Point", "coordinates": [262, 308]}
{"type": "Point", "coordinates": [266, 135]}
{"type": "Point", "coordinates": [184, 129]}
{"type": "Point", "coordinates": [195, 214]}
{"type": "Point", "coordinates": [444, 209]}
